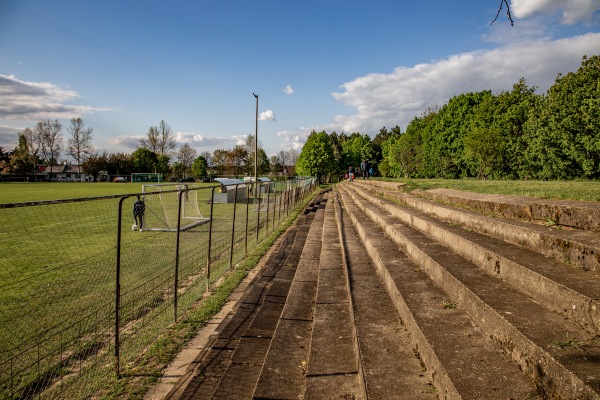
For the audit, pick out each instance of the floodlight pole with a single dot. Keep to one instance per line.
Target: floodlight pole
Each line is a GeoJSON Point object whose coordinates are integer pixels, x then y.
{"type": "Point", "coordinates": [256, 149]}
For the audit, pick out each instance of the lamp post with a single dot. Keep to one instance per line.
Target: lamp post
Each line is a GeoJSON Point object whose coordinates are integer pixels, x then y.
{"type": "Point", "coordinates": [256, 149]}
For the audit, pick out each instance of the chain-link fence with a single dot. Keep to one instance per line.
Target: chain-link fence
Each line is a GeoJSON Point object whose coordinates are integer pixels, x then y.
{"type": "Point", "coordinates": [86, 285]}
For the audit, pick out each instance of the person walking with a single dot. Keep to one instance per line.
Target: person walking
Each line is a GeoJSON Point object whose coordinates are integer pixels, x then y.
{"type": "Point", "coordinates": [364, 168]}
{"type": "Point", "coordinates": [351, 173]}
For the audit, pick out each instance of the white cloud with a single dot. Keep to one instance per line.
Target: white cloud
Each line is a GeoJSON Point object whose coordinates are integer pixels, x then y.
{"type": "Point", "coordinates": [268, 115]}
{"type": "Point", "coordinates": [32, 101]}
{"type": "Point", "coordinates": [288, 89]}
{"type": "Point", "coordinates": [394, 99]}
{"type": "Point", "coordinates": [127, 142]}
{"type": "Point", "coordinates": [196, 140]}
{"type": "Point", "coordinates": [573, 11]}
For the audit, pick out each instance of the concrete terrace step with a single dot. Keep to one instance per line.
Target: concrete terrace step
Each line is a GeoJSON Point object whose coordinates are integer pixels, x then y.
{"type": "Point", "coordinates": [571, 292]}
{"type": "Point", "coordinates": [461, 361]}
{"type": "Point", "coordinates": [578, 214]}
{"type": "Point", "coordinates": [578, 248]}
{"type": "Point", "coordinates": [558, 355]}
{"type": "Point", "coordinates": [232, 364]}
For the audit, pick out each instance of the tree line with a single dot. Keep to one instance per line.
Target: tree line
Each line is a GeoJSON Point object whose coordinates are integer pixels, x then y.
{"type": "Point", "coordinates": [157, 152]}
{"type": "Point", "coordinates": [514, 134]}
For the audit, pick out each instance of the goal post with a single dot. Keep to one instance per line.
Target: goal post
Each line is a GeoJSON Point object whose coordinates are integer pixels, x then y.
{"type": "Point", "coordinates": [147, 177]}
{"type": "Point", "coordinates": [162, 207]}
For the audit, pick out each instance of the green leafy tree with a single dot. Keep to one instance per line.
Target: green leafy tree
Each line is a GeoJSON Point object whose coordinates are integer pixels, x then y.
{"type": "Point", "coordinates": [144, 160]}
{"type": "Point", "coordinates": [200, 167]}
{"type": "Point", "coordinates": [564, 131]}
{"type": "Point", "coordinates": [403, 153]}
{"type": "Point", "coordinates": [357, 148]}
{"type": "Point", "coordinates": [484, 143]}
{"type": "Point", "coordinates": [316, 158]}
{"type": "Point", "coordinates": [381, 138]}
{"type": "Point", "coordinates": [162, 165]}
{"type": "Point", "coordinates": [264, 165]}
{"type": "Point", "coordinates": [443, 141]}
{"type": "Point", "coordinates": [22, 161]}
{"type": "Point", "coordinates": [120, 164]}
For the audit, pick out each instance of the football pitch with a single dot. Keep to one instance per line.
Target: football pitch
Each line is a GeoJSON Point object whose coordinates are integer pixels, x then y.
{"type": "Point", "coordinates": [58, 272]}
{"type": "Point", "coordinates": [17, 192]}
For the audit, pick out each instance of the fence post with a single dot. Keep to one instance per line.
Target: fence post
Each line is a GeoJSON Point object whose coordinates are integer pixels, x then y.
{"type": "Point", "coordinates": [258, 211]}
{"type": "Point", "coordinates": [118, 290]}
{"type": "Point", "coordinates": [274, 206]}
{"type": "Point", "coordinates": [210, 225]}
{"type": "Point", "coordinates": [233, 228]}
{"type": "Point", "coordinates": [176, 283]}
{"type": "Point", "coordinates": [247, 215]}
{"type": "Point", "coordinates": [268, 185]}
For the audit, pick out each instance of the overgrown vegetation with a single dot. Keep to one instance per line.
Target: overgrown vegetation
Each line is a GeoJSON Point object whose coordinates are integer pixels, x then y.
{"type": "Point", "coordinates": [510, 135]}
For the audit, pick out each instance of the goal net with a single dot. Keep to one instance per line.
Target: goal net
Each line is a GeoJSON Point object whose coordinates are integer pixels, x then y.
{"type": "Point", "coordinates": [147, 177]}
{"type": "Point", "coordinates": [162, 205]}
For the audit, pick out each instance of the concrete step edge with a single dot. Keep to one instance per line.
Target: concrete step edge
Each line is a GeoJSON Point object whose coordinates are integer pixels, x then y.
{"type": "Point", "coordinates": [271, 382]}
{"type": "Point", "coordinates": [580, 249]}
{"type": "Point", "coordinates": [538, 359]}
{"type": "Point", "coordinates": [582, 306]}
{"type": "Point", "coordinates": [448, 382]}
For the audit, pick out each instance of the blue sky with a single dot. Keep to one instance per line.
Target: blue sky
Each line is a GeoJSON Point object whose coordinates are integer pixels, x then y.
{"type": "Point", "coordinates": [351, 66]}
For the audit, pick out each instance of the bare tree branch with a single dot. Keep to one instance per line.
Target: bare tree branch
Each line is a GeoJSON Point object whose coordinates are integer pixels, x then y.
{"type": "Point", "coordinates": [508, 14]}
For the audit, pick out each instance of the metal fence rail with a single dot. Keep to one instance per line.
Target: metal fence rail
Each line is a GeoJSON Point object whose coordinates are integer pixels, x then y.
{"type": "Point", "coordinates": [84, 290]}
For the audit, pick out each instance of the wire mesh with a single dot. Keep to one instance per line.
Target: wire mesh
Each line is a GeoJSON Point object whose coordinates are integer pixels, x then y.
{"type": "Point", "coordinates": [66, 265]}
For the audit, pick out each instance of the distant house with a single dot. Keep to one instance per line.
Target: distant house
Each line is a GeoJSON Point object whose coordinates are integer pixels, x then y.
{"type": "Point", "coordinates": [65, 173]}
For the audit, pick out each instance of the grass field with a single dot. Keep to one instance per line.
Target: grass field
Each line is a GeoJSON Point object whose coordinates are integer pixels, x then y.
{"type": "Point", "coordinates": [16, 192]}
{"type": "Point", "coordinates": [567, 190]}
{"type": "Point", "coordinates": [57, 274]}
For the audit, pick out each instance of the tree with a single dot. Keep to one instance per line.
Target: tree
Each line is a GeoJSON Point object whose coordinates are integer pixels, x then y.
{"type": "Point", "coordinates": [278, 161]}
{"type": "Point", "coordinates": [199, 167]}
{"type": "Point", "coordinates": [80, 141]}
{"type": "Point", "coordinates": [22, 161]}
{"type": "Point", "coordinates": [219, 161]}
{"type": "Point", "coordinates": [95, 163]}
{"type": "Point", "coordinates": [160, 139]}
{"type": "Point", "coordinates": [162, 165]}
{"type": "Point", "coordinates": [564, 132]}
{"type": "Point", "coordinates": [49, 137]}
{"type": "Point", "coordinates": [316, 158]}
{"type": "Point", "coordinates": [144, 160]}
{"type": "Point", "coordinates": [263, 165]}
{"type": "Point", "coordinates": [151, 140]}
{"type": "Point", "coordinates": [237, 159]}
{"type": "Point", "coordinates": [186, 156]}
{"type": "Point", "coordinates": [291, 157]}
{"type": "Point", "coordinates": [380, 138]}
{"type": "Point", "coordinates": [357, 148]}
{"type": "Point", "coordinates": [120, 164]}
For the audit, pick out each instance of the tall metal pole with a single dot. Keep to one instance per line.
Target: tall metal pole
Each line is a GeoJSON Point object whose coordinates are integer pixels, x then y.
{"type": "Point", "coordinates": [256, 148]}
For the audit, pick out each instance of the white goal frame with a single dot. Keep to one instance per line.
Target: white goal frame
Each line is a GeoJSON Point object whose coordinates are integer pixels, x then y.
{"type": "Point", "coordinates": [162, 207]}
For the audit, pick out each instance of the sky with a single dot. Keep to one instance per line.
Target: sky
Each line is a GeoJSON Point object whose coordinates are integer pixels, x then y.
{"type": "Point", "coordinates": [345, 66]}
